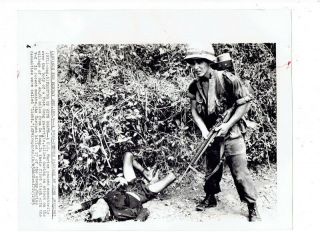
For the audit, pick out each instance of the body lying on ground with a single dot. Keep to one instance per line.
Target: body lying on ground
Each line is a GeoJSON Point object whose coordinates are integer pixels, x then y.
{"type": "Point", "coordinates": [126, 202]}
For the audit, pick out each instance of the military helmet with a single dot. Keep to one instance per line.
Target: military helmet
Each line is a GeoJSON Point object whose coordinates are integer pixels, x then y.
{"type": "Point", "coordinates": [197, 52]}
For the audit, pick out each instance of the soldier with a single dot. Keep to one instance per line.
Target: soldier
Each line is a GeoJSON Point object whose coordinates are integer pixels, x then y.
{"type": "Point", "coordinates": [212, 93]}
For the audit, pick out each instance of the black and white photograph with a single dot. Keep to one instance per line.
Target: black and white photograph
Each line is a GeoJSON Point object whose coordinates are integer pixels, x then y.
{"type": "Point", "coordinates": [184, 132]}
{"type": "Point", "coordinates": [155, 119]}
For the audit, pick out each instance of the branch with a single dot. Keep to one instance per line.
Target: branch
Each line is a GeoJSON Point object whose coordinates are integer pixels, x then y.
{"type": "Point", "coordinates": [102, 148]}
{"type": "Point", "coordinates": [72, 125]}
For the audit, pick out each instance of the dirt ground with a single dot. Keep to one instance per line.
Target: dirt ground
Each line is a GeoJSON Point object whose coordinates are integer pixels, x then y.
{"type": "Point", "coordinates": [179, 201]}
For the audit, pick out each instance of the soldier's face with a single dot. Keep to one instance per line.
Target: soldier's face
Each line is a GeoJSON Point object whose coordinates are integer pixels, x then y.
{"type": "Point", "coordinates": [201, 67]}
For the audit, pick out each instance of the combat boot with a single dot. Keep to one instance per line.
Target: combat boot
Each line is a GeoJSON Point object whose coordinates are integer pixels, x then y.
{"type": "Point", "coordinates": [208, 202]}
{"type": "Point", "coordinates": [253, 212]}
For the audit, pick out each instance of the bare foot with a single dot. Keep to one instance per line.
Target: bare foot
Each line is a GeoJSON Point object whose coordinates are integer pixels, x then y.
{"type": "Point", "coordinates": [155, 178]}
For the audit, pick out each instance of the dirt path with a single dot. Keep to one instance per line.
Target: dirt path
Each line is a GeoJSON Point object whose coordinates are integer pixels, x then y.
{"type": "Point", "coordinates": [179, 201]}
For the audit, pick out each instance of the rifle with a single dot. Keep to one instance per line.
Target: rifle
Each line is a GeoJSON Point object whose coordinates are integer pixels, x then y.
{"type": "Point", "coordinates": [206, 143]}
{"type": "Point", "coordinates": [200, 150]}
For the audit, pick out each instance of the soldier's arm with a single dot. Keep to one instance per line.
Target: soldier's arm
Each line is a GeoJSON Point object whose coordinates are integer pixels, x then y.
{"type": "Point", "coordinates": [240, 111]}
{"type": "Point", "coordinates": [241, 96]}
{"type": "Point", "coordinates": [242, 99]}
{"type": "Point", "coordinates": [198, 120]}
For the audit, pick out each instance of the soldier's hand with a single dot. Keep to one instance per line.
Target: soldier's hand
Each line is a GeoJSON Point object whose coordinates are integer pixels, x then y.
{"type": "Point", "coordinates": [222, 130]}
{"type": "Point", "coordinates": [205, 134]}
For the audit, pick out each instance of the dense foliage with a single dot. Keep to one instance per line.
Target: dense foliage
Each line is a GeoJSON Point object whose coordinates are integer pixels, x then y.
{"type": "Point", "coordinates": [117, 98]}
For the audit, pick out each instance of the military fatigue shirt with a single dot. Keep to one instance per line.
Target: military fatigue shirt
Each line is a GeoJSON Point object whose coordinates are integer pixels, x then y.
{"type": "Point", "coordinates": [216, 94]}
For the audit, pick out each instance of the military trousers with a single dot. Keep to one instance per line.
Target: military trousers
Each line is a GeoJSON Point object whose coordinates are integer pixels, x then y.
{"type": "Point", "coordinates": [235, 153]}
